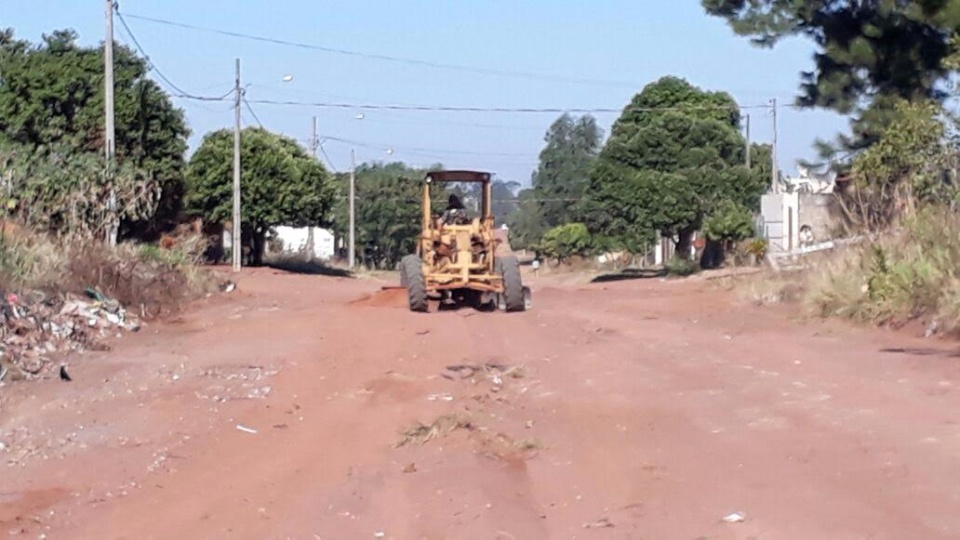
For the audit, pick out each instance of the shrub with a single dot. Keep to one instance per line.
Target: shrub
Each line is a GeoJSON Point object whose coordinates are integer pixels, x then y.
{"type": "Point", "coordinates": [678, 266]}
{"type": "Point", "coordinates": [907, 274]}
{"type": "Point", "coordinates": [566, 241]}
{"type": "Point", "coordinates": [148, 280]}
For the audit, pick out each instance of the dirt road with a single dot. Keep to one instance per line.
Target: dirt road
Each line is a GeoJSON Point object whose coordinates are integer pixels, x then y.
{"type": "Point", "coordinates": [641, 409]}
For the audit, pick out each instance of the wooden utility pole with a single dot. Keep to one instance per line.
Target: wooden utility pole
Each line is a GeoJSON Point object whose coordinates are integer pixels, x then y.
{"type": "Point", "coordinates": [774, 173]}
{"type": "Point", "coordinates": [110, 143]}
{"type": "Point", "coordinates": [747, 137]}
{"type": "Point", "coordinates": [311, 241]}
{"type": "Point", "coordinates": [314, 142]}
{"type": "Point", "coordinates": [352, 255]}
{"type": "Point", "coordinates": [237, 250]}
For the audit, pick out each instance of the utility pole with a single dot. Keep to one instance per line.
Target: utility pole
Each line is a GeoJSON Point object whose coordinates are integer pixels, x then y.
{"type": "Point", "coordinates": [774, 173]}
{"type": "Point", "coordinates": [747, 137]}
{"type": "Point", "coordinates": [237, 246]}
{"type": "Point", "coordinates": [351, 251]}
{"type": "Point", "coordinates": [311, 241]}
{"type": "Point", "coordinates": [314, 142]}
{"type": "Point", "coordinates": [110, 135]}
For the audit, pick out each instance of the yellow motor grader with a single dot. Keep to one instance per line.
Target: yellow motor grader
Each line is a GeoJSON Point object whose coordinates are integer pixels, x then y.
{"type": "Point", "coordinates": [456, 260]}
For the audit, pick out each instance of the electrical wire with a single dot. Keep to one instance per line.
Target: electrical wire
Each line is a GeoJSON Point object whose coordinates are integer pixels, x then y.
{"type": "Point", "coordinates": [384, 57]}
{"type": "Point", "coordinates": [178, 92]}
{"type": "Point", "coordinates": [414, 149]}
{"type": "Point", "coordinates": [531, 110]}
{"type": "Point", "coordinates": [249, 108]}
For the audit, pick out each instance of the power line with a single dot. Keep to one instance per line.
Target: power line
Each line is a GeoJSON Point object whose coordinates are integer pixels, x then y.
{"type": "Point", "coordinates": [531, 110]}
{"type": "Point", "coordinates": [178, 92]}
{"type": "Point", "coordinates": [414, 149]}
{"type": "Point", "coordinates": [387, 58]}
{"type": "Point", "coordinates": [249, 108]}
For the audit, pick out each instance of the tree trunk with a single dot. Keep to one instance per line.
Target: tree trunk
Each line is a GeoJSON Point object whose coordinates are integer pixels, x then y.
{"type": "Point", "coordinates": [259, 241]}
{"type": "Point", "coordinates": [684, 242]}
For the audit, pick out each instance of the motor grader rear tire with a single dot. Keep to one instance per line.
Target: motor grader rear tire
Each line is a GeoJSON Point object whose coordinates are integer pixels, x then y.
{"type": "Point", "coordinates": [411, 268]}
{"type": "Point", "coordinates": [513, 297]}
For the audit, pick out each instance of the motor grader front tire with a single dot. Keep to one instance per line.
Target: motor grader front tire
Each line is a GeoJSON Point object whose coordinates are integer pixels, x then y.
{"type": "Point", "coordinates": [411, 271]}
{"type": "Point", "coordinates": [512, 298]}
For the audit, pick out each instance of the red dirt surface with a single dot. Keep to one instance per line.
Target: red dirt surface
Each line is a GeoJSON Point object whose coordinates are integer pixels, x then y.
{"type": "Point", "coordinates": [636, 409]}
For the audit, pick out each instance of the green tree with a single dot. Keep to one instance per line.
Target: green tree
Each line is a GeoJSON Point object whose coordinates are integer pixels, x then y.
{"type": "Point", "coordinates": [908, 166]}
{"type": "Point", "coordinates": [281, 184]}
{"type": "Point", "coordinates": [51, 109]}
{"type": "Point", "coordinates": [561, 179]}
{"type": "Point", "coordinates": [869, 54]}
{"type": "Point", "coordinates": [674, 155]}
{"type": "Point", "coordinates": [729, 223]}
{"type": "Point", "coordinates": [566, 241]}
{"type": "Point", "coordinates": [388, 211]}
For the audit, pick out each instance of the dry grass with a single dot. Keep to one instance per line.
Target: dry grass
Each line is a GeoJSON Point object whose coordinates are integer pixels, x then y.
{"type": "Point", "coordinates": [908, 274]}
{"type": "Point", "coordinates": [442, 426]}
{"type": "Point", "coordinates": [149, 280]}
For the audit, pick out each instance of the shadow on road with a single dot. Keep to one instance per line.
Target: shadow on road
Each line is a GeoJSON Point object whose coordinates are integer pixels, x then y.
{"type": "Point", "coordinates": [630, 273]}
{"type": "Point", "coordinates": [312, 268]}
{"type": "Point", "coordinates": [916, 351]}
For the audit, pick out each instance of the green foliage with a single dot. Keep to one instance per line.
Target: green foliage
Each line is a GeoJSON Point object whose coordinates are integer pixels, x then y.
{"type": "Point", "coordinates": [62, 191]}
{"type": "Point", "coordinates": [674, 156]}
{"type": "Point", "coordinates": [51, 129]}
{"type": "Point", "coordinates": [729, 223]}
{"type": "Point", "coordinates": [681, 267]}
{"type": "Point", "coordinates": [868, 53]}
{"type": "Point", "coordinates": [388, 211]}
{"type": "Point", "coordinates": [904, 168]}
{"type": "Point", "coordinates": [756, 247]}
{"type": "Point", "coordinates": [560, 181]}
{"type": "Point", "coordinates": [903, 276]}
{"type": "Point", "coordinates": [281, 184]}
{"type": "Point", "coordinates": [566, 241]}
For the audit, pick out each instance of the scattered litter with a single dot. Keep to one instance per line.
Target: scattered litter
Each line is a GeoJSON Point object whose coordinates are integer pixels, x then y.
{"type": "Point", "coordinates": [228, 286]}
{"type": "Point", "coordinates": [736, 517]}
{"type": "Point", "coordinates": [603, 523]}
{"type": "Point", "coordinates": [423, 332]}
{"type": "Point", "coordinates": [246, 429]}
{"type": "Point", "coordinates": [64, 376]}
{"type": "Point", "coordinates": [440, 397]}
{"type": "Point", "coordinates": [34, 325]}
{"type": "Point", "coordinates": [379, 534]}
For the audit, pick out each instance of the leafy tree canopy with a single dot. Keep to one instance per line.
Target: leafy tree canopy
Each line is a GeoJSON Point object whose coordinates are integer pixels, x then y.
{"type": "Point", "coordinates": [281, 184]}
{"type": "Point", "coordinates": [565, 241]}
{"type": "Point", "coordinates": [560, 181]}
{"type": "Point", "coordinates": [52, 103]}
{"type": "Point", "coordinates": [674, 155]}
{"type": "Point", "coordinates": [868, 53]}
{"type": "Point", "coordinates": [388, 211]}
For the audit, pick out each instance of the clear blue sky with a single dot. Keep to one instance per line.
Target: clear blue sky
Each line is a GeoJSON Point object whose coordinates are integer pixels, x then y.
{"type": "Point", "coordinates": [633, 42]}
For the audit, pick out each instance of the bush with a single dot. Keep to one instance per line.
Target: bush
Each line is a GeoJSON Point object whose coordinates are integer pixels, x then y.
{"type": "Point", "coordinates": [905, 275]}
{"type": "Point", "coordinates": [566, 241]}
{"type": "Point", "coordinates": [148, 280]}
{"type": "Point", "coordinates": [729, 223]}
{"type": "Point", "coordinates": [678, 266]}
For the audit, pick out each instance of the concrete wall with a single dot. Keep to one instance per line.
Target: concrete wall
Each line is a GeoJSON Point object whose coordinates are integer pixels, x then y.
{"type": "Point", "coordinates": [782, 215]}
{"type": "Point", "coordinates": [821, 213]}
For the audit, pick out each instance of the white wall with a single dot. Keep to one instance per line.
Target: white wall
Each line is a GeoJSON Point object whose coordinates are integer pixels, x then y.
{"type": "Point", "coordinates": [295, 240]}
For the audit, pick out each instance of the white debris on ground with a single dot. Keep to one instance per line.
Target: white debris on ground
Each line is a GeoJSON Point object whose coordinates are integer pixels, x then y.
{"type": "Point", "coordinates": [34, 328]}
